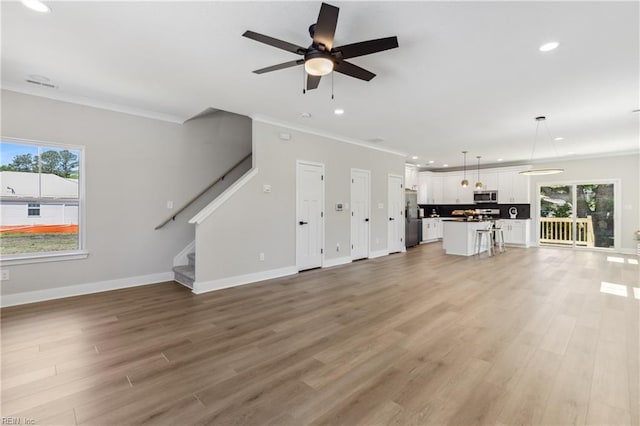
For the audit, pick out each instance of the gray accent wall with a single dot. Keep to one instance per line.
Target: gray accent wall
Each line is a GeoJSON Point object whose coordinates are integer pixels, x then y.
{"type": "Point", "coordinates": [229, 242]}
{"type": "Point", "coordinates": [133, 166]}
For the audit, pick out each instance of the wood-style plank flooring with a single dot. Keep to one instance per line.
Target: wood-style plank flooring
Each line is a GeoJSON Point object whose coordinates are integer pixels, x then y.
{"type": "Point", "coordinates": [525, 337]}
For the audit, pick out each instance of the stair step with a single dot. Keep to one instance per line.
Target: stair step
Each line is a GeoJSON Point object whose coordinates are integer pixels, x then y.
{"type": "Point", "coordinates": [192, 258]}
{"type": "Point", "coordinates": [185, 274]}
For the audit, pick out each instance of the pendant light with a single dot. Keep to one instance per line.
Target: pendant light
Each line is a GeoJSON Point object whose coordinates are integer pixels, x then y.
{"type": "Point", "coordinates": [465, 182]}
{"type": "Point", "coordinates": [537, 172]}
{"type": "Point", "coordinates": [478, 183]}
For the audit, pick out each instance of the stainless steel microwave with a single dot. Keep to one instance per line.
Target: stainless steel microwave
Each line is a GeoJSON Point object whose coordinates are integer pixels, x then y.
{"type": "Point", "coordinates": [485, 197]}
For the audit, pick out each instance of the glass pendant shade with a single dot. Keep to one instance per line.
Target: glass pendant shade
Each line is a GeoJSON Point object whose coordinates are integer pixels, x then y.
{"type": "Point", "coordinates": [464, 183]}
{"type": "Point", "coordinates": [478, 183]}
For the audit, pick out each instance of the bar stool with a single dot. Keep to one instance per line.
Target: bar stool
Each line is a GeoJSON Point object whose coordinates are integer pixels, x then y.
{"type": "Point", "coordinates": [498, 237]}
{"type": "Point", "coordinates": [480, 235]}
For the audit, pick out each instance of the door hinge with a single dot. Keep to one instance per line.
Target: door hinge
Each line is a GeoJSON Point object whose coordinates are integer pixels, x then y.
{"type": "Point", "coordinates": [400, 186]}
{"type": "Point", "coordinates": [321, 177]}
{"type": "Point", "coordinates": [351, 213]}
{"type": "Point", "coordinates": [353, 181]}
{"type": "Point", "coordinates": [321, 214]}
{"type": "Point", "coordinates": [351, 246]}
{"type": "Point", "coordinates": [321, 251]}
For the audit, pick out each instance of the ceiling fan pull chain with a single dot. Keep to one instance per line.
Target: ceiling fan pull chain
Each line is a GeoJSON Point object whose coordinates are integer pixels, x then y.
{"type": "Point", "coordinates": [304, 81]}
{"type": "Point", "coordinates": [332, 85]}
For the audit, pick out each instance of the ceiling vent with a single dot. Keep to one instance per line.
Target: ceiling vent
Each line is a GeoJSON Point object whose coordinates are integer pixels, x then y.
{"type": "Point", "coordinates": [49, 85]}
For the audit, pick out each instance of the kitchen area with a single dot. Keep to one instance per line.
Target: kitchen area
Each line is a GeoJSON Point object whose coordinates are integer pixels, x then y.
{"type": "Point", "coordinates": [447, 212]}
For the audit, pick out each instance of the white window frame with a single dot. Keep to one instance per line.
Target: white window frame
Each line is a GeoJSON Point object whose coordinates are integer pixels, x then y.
{"type": "Point", "coordinates": [80, 252]}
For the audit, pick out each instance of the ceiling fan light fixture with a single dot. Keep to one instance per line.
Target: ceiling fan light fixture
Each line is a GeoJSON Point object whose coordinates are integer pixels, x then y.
{"type": "Point", "coordinates": [318, 66]}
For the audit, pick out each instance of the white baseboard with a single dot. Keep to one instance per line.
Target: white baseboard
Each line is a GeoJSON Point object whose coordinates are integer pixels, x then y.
{"type": "Point", "coordinates": [219, 284]}
{"type": "Point", "coordinates": [82, 289]}
{"type": "Point", "coordinates": [337, 261]}
{"type": "Point", "coordinates": [379, 253]}
{"type": "Point", "coordinates": [629, 251]}
{"type": "Point", "coordinates": [181, 258]}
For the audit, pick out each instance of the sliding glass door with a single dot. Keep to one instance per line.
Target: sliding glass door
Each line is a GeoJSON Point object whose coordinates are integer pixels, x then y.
{"type": "Point", "coordinates": [577, 215]}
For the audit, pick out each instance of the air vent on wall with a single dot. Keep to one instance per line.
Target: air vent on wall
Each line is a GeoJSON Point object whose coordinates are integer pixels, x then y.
{"type": "Point", "coordinates": [41, 83]}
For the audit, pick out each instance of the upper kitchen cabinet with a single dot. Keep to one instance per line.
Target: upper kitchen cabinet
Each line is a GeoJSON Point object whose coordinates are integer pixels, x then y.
{"type": "Point", "coordinates": [489, 180]}
{"type": "Point", "coordinates": [410, 177]}
{"type": "Point", "coordinates": [454, 193]}
{"type": "Point", "coordinates": [513, 187]}
{"type": "Point", "coordinates": [429, 188]}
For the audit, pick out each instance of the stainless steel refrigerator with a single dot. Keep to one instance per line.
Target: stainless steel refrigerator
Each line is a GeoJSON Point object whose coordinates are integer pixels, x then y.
{"type": "Point", "coordinates": [413, 224]}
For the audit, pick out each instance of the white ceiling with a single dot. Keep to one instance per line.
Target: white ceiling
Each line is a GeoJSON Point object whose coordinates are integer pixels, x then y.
{"type": "Point", "coordinates": [467, 75]}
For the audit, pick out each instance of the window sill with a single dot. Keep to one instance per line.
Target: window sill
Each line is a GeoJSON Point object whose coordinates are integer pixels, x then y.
{"type": "Point", "coordinates": [25, 259]}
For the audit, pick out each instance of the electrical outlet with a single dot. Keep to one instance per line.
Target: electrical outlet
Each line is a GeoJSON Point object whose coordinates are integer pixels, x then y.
{"type": "Point", "coordinates": [338, 247]}
{"type": "Point", "coordinates": [4, 275]}
{"type": "Point", "coordinates": [169, 204]}
{"type": "Point", "coordinates": [261, 257]}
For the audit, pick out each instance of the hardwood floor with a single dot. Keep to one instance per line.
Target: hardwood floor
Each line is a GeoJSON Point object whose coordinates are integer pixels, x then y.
{"type": "Point", "coordinates": [525, 337]}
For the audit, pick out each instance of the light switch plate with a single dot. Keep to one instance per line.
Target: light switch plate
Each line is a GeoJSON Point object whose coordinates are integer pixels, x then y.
{"type": "Point", "coordinates": [266, 189]}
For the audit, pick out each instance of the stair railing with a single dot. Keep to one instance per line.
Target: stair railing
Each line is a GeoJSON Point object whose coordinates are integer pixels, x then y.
{"type": "Point", "coordinates": [201, 193]}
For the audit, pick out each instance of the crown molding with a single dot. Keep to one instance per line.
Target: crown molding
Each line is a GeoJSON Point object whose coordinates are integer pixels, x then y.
{"type": "Point", "coordinates": [304, 129]}
{"type": "Point", "coordinates": [82, 100]}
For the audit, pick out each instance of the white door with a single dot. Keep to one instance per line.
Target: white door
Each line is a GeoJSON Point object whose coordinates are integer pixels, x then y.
{"type": "Point", "coordinates": [360, 214]}
{"type": "Point", "coordinates": [309, 215]}
{"type": "Point", "coordinates": [396, 214]}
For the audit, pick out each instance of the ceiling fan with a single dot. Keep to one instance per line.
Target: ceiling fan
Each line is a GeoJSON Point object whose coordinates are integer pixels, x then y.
{"type": "Point", "coordinates": [321, 57]}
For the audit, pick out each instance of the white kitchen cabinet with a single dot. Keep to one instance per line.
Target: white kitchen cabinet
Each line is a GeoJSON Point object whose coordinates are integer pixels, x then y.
{"type": "Point", "coordinates": [436, 190]}
{"type": "Point", "coordinates": [410, 177]}
{"type": "Point", "coordinates": [516, 231]}
{"type": "Point", "coordinates": [489, 180]}
{"type": "Point", "coordinates": [513, 188]}
{"type": "Point", "coordinates": [429, 188]}
{"type": "Point", "coordinates": [454, 193]}
{"type": "Point", "coordinates": [431, 229]}
{"type": "Point", "coordinates": [424, 181]}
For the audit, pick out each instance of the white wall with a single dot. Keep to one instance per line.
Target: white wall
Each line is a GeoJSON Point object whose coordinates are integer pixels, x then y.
{"type": "Point", "coordinates": [626, 168]}
{"type": "Point", "coordinates": [133, 166]}
{"type": "Point", "coordinates": [229, 242]}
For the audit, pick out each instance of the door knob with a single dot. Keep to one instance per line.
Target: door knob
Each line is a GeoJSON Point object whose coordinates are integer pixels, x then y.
{"type": "Point", "coordinates": [303, 223]}
{"type": "Point", "coordinates": [366, 220]}
{"type": "Point", "coordinates": [392, 218]}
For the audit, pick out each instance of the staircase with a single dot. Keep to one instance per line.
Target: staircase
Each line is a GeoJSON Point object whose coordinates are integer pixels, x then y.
{"type": "Point", "coordinates": [186, 274]}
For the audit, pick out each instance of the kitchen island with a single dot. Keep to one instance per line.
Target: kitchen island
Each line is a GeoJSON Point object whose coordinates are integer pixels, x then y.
{"type": "Point", "coordinates": [459, 236]}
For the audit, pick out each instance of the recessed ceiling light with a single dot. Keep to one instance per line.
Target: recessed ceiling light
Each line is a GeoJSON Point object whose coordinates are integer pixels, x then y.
{"type": "Point", "coordinates": [559, 138]}
{"type": "Point", "coordinates": [338, 111]}
{"type": "Point", "coordinates": [636, 110]}
{"type": "Point", "coordinates": [36, 5]}
{"type": "Point", "coordinates": [305, 115]}
{"type": "Point", "coordinates": [445, 165]}
{"type": "Point", "coordinates": [549, 46]}
{"type": "Point", "coordinates": [499, 159]}
{"type": "Point", "coordinates": [418, 165]}
{"type": "Point", "coordinates": [431, 161]}
{"type": "Point", "coordinates": [570, 153]}
{"type": "Point", "coordinates": [415, 157]}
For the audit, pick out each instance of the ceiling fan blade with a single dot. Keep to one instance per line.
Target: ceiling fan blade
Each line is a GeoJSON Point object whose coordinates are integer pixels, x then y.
{"type": "Point", "coordinates": [351, 70]}
{"type": "Point", "coordinates": [280, 66]}
{"type": "Point", "coordinates": [326, 25]}
{"type": "Point", "coordinates": [289, 47]}
{"type": "Point", "coordinates": [367, 47]}
{"type": "Point", "coordinates": [313, 81]}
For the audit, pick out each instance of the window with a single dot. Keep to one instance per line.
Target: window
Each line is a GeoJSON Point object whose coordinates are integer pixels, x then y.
{"type": "Point", "coordinates": [33, 209]}
{"type": "Point", "coordinates": [41, 201]}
